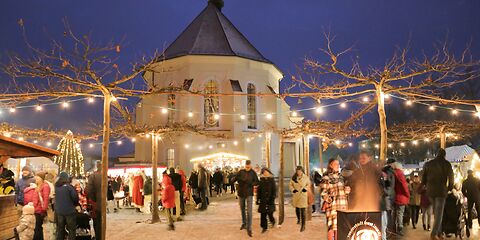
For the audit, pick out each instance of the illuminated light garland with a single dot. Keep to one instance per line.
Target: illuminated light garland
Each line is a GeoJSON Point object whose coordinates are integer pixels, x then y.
{"type": "Point", "coordinates": [319, 110]}
{"type": "Point", "coordinates": [91, 100]}
{"type": "Point", "coordinates": [164, 110]}
{"type": "Point", "coordinates": [65, 104]}
{"type": "Point", "coordinates": [190, 114]}
{"type": "Point", "coordinates": [294, 114]}
{"type": "Point", "coordinates": [269, 116]}
{"type": "Point", "coordinates": [39, 108]}
{"type": "Point", "coordinates": [12, 110]}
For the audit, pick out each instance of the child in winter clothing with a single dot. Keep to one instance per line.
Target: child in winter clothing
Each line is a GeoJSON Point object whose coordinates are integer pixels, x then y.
{"type": "Point", "coordinates": [26, 227]}
{"type": "Point", "coordinates": [168, 199]}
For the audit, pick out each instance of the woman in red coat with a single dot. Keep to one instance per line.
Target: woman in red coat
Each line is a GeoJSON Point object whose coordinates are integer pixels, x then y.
{"type": "Point", "coordinates": [402, 196]}
{"type": "Point", "coordinates": [137, 191]}
{"type": "Point", "coordinates": [168, 199]}
{"type": "Point", "coordinates": [38, 193]}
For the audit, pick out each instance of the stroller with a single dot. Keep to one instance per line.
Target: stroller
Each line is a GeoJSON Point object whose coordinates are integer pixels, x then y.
{"type": "Point", "coordinates": [84, 230]}
{"type": "Point", "coordinates": [455, 217]}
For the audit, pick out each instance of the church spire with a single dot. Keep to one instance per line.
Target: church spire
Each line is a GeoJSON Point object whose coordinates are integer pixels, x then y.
{"type": "Point", "coordinates": [218, 3]}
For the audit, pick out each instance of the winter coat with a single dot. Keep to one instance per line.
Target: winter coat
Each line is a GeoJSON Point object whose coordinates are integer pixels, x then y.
{"type": "Point", "coordinates": [94, 189]}
{"type": "Point", "coordinates": [438, 177]}
{"type": "Point", "coordinates": [110, 196]}
{"type": "Point", "coordinates": [471, 188]}
{"type": "Point", "coordinates": [26, 226]}
{"type": "Point", "coordinates": [388, 187]}
{"type": "Point", "coordinates": [415, 196]}
{"type": "Point", "coordinates": [66, 199]}
{"type": "Point", "coordinates": [184, 180]}
{"type": "Point", "coordinates": [402, 193]}
{"type": "Point", "coordinates": [367, 184]}
{"type": "Point", "coordinates": [266, 194]}
{"type": "Point", "coordinates": [147, 186]}
{"type": "Point", "coordinates": [332, 189]}
{"type": "Point", "coordinates": [203, 182]}
{"type": "Point", "coordinates": [20, 186]}
{"type": "Point", "coordinates": [424, 199]}
{"type": "Point", "coordinates": [246, 181]}
{"type": "Point", "coordinates": [193, 180]}
{"type": "Point", "coordinates": [176, 181]}
{"type": "Point", "coordinates": [38, 198]}
{"type": "Point", "coordinates": [299, 187]}
{"type": "Point", "coordinates": [137, 197]}
{"type": "Point", "coordinates": [217, 178]}
{"type": "Point", "coordinates": [168, 193]}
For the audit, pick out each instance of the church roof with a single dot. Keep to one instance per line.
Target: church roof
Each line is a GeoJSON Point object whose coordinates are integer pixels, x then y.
{"type": "Point", "coordinates": [211, 33]}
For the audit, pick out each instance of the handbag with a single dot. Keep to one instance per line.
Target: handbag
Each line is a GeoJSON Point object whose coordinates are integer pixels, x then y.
{"type": "Point", "coordinates": [311, 198]}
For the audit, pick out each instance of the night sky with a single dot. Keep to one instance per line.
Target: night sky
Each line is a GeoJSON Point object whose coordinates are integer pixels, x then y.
{"type": "Point", "coordinates": [285, 31]}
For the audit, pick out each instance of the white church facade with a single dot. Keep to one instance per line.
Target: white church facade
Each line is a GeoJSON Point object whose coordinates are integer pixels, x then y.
{"type": "Point", "coordinates": [212, 57]}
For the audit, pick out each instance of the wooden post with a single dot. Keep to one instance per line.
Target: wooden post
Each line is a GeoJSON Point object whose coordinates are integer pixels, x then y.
{"type": "Point", "coordinates": [268, 140]}
{"type": "Point", "coordinates": [107, 98]}
{"type": "Point", "coordinates": [155, 217]}
{"type": "Point", "coordinates": [382, 117]}
{"type": "Point", "coordinates": [306, 166]}
{"type": "Point", "coordinates": [281, 187]}
{"type": "Point", "coordinates": [443, 137]}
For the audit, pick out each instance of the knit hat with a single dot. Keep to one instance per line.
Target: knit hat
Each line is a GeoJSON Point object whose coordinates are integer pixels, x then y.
{"type": "Point", "coordinates": [63, 176]}
{"type": "Point", "coordinates": [28, 209]}
{"type": "Point", "coordinates": [27, 168]}
{"type": "Point", "coordinates": [41, 174]}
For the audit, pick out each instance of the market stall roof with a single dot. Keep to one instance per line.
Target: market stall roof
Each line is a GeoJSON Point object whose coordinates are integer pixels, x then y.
{"type": "Point", "coordinates": [220, 155]}
{"type": "Point", "coordinates": [13, 148]}
{"type": "Point", "coordinates": [459, 153]}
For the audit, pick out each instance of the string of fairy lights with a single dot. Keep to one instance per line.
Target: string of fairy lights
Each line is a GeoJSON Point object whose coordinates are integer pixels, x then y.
{"type": "Point", "coordinates": [318, 110]}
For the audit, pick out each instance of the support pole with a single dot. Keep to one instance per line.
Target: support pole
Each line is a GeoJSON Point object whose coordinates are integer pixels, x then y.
{"type": "Point", "coordinates": [268, 140]}
{"type": "Point", "coordinates": [443, 137]}
{"type": "Point", "coordinates": [155, 217]}
{"type": "Point", "coordinates": [306, 166]}
{"type": "Point", "coordinates": [105, 144]}
{"type": "Point", "coordinates": [281, 187]}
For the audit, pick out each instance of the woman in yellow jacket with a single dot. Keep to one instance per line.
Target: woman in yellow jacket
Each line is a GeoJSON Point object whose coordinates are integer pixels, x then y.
{"type": "Point", "coordinates": [299, 186]}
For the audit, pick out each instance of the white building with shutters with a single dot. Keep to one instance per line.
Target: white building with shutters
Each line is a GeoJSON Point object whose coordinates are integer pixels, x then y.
{"type": "Point", "coordinates": [212, 56]}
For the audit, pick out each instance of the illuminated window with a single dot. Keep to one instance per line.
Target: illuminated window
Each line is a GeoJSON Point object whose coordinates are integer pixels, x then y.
{"type": "Point", "coordinates": [251, 107]}
{"type": "Point", "coordinates": [171, 108]}
{"type": "Point", "coordinates": [210, 105]}
{"type": "Point", "coordinates": [171, 157]}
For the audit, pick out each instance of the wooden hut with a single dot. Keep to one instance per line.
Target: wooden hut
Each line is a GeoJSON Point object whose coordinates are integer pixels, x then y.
{"type": "Point", "coordinates": [13, 148]}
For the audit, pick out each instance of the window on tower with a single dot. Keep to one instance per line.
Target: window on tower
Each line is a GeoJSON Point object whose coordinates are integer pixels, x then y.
{"type": "Point", "coordinates": [171, 157]}
{"type": "Point", "coordinates": [171, 108]}
{"type": "Point", "coordinates": [251, 106]}
{"type": "Point", "coordinates": [211, 104]}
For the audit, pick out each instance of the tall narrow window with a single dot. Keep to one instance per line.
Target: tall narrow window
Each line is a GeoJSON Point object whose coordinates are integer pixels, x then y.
{"type": "Point", "coordinates": [210, 105]}
{"type": "Point", "coordinates": [171, 108]}
{"type": "Point", "coordinates": [251, 106]}
{"type": "Point", "coordinates": [171, 157]}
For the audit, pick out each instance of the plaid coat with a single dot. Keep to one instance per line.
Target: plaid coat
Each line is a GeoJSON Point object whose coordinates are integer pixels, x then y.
{"type": "Point", "coordinates": [332, 190]}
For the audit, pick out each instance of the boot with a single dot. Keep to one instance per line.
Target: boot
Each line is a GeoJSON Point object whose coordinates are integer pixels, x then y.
{"type": "Point", "coordinates": [297, 213]}
{"type": "Point", "coordinates": [302, 219]}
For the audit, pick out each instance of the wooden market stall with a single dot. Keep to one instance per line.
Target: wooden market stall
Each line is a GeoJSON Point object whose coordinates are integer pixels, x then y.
{"type": "Point", "coordinates": [13, 148]}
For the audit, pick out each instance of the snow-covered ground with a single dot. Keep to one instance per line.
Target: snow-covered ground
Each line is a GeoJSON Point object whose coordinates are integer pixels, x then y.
{"type": "Point", "coordinates": [222, 220]}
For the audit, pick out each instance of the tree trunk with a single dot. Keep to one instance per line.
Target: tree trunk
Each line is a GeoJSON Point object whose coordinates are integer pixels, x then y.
{"type": "Point", "coordinates": [268, 139]}
{"type": "Point", "coordinates": [306, 166]}
{"type": "Point", "coordinates": [155, 217]}
{"type": "Point", "coordinates": [443, 137]}
{"type": "Point", "coordinates": [382, 117]}
{"type": "Point", "coordinates": [106, 142]}
{"type": "Point", "coordinates": [281, 187]}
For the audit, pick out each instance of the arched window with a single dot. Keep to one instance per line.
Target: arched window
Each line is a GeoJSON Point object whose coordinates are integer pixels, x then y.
{"type": "Point", "coordinates": [171, 108]}
{"type": "Point", "coordinates": [251, 107]}
{"type": "Point", "coordinates": [210, 105]}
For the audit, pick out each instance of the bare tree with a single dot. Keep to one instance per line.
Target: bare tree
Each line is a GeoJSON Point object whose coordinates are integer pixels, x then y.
{"type": "Point", "coordinates": [413, 78]}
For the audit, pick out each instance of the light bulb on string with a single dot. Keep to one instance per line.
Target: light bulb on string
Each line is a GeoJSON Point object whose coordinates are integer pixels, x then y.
{"type": "Point", "coordinates": [319, 110]}
{"type": "Point", "coordinates": [164, 110]}
{"type": "Point", "coordinates": [65, 104]}
{"type": "Point", "coordinates": [235, 143]}
{"type": "Point", "coordinates": [294, 114]}
{"type": "Point", "coordinates": [390, 145]}
{"type": "Point", "coordinates": [350, 144]}
{"type": "Point", "coordinates": [114, 99]}
{"type": "Point", "coordinates": [415, 142]}
{"type": "Point", "coordinates": [454, 111]}
{"type": "Point", "coordinates": [90, 100]}
{"type": "Point", "coordinates": [134, 139]}
{"type": "Point", "coordinates": [427, 139]}
{"type": "Point", "coordinates": [12, 110]}
{"type": "Point", "coordinates": [190, 114]}
{"type": "Point", "coordinates": [343, 105]}
{"type": "Point", "coordinates": [223, 145]}
{"type": "Point", "coordinates": [386, 95]}
{"type": "Point", "coordinates": [248, 140]}
{"type": "Point", "coordinates": [21, 139]}
{"type": "Point", "coordinates": [210, 147]}
{"type": "Point", "coordinates": [408, 102]}
{"type": "Point", "coordinates": [39, 108]}
{"type": "Point", "coordinates": [35, 141]}
{"type": "Point", "coordinates": [431, 108]}
{"type": "Point", "coordinates": [119, 142]}
{"type": "Point", "coordinates": [402, 144]}
{"type": "Point", "coordinates": [337, 142]}
{"type": "Point", "coordinates": [90, 145]}
{"type": "Point", "coordinates": [365, 99]}
{"type": "Point", "coordinates": [77, 145]}
{"type": "Point", "coordinates": [242, 117]}
{"type": "Point", "coordinates": [49, 144]}
{"type": "Point", "coordinates": [7, 134]}
{"type": "Point", "coordinates": [216, 116]}
{"type": "Point", "coordinates": [187, 146]}
{"type": "Point", "coordinates": [377, 146]}
{"type": "Point", "coordinates": [364, 145]}
{"type": "Point", "coordinates": [269, 116]}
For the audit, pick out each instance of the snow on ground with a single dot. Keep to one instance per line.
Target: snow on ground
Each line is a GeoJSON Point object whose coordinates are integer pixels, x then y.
{"type": "Point", "coordinates": [222, 220]}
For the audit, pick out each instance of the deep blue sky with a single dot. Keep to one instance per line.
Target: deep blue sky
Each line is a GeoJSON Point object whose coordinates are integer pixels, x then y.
{"type": "Point", "coordinates": [285, 31]}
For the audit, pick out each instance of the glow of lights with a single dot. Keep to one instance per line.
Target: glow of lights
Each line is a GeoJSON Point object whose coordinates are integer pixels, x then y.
{"type": "Point", "coordinates": [350, 144]}
{"type": "Point", "coordinates": [408, 102]}
{"type": "Point", "coordinates": [77, 145]}
{"type": "Point", "coordinates": [390, 145]}
{"type": "Point", "coordinates": [269, 116]}
{"type": "Point", "coordinates": [402, 144]}
{"type": "Point", "coordinates": [248, 140]}
{"type": "Point", "coordinates": [7, 134]}
{"type": "Point", "coordinates": [90, 145]}
{"type": "Point", "coordinates": [414, 142]}
{"type": "Point", "coordinates": [216, 116]}
{"type": "Point", "coordinates": [147, 135]}
{"type": "Point", "coordinates": [134, 139]}
{"type": "Point", "coordinates": [164, 110]}
{"type": "Point", "coordinates": [477, 114]}
{"type": "Point", "coordinates": [190, 114]}
{"type": "Point", "coordinates": [259, 135]}
{"type": "Point", "coordinates": [65, 104]}
{"type": "Point", "coordinates": [337, 142]}
{"type": "Point", "coordinates": [187, 146]}
{"type": "Point", "coordinates": [364, 145]}
{"type": "Point", "coordinates": [242, 117]}
{"type": "Point", "coordinates": [222, 155]}
{"type": "Point", "coordinates": [49, 144]}
{"type": "Point", "coordinates": [319, 110]}
{"type": "Point", "coordinates": [431, 108]}
{"type": "Point", "coordinates": [427, 139]}
{"type": "Point", "coordinates": [35, 141]}
{"type": "Point", "coordinates": [456, 138]}
{"type": "Point", "coordinates": [223, 145]}
{"type": "Point", "coordinates": [365, 99]}
{"type": "Point", "coordinates": [377, 146]}
{"type": "Point", "coordinates": [294, 114]}
{"type": "Point", "coordinates": [39, 108]}
{"type": "Point", "coordinates": [454, 111]}
{"type": "Point", "coordinates": [235, 143]}
{"type": "Point", "coordinates": [114, 99]}
{"type": "Point", "coordinates": [386, 96]}
{"type": "Point", "coordinates": [200, 147]}
{"type": "Point", "coordinates": [12, 110]}
{"type": "Point", "coordinates": [210, 147]}
{"type": "Point", "coordinates": [21, 139]}
{"type": "Point", "coordinates": [343, 105]}
{"type": "Point", "coordinates": [91, 100]}
{"type": "Point", "coordinates": [119, 142]}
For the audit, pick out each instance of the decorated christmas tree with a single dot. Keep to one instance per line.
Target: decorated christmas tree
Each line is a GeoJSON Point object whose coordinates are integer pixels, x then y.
{"type": "Point", "coordinates": [71, 159]}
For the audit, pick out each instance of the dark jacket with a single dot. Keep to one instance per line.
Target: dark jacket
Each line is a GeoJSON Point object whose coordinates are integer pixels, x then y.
{"type": "Point", "coordinates": [471, 188]}
{"type": "Point", "coordinates": [217, 178]}
{"type": "Point", "coordinates": [66, 199]}
{"type": "Point", "coordinates": [246, 181]}
{"type": "Point", "coordinates": [438, 177]}
{"type": "Point", "coordinates": [147, 186]}
{"type": "Point", "coordinates": [366, 182]}
{"type": "Point", "coordinates": [20, 186]}
{"type": "Point", "coordinates": [193, 180]}
{"type": "Point", "coordinates": [388, 187]}
{"type": "Point", "coordinates": [203, 178]}
{"type": "Point", "coordinates": [266, 194]}
{"type": "Point", "coordinates": [176, 181]}
{"type": "Point", "coordinates": [94, 189]}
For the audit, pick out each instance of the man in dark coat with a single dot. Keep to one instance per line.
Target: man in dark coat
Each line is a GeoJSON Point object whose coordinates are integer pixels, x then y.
{"type": "Point", "coordinates": [217, 180]}
{"type": "Point", "coordinates": [471, 190]}
{"type": "Point", "coordinates": [177, 183]}
{"type": "Point", "coordinates": [94, 193]}
{"type": "Point", "coordinates": [193, 182]}
{"type": "Point", "coordinates": [388, 196]}
{"type": "Point", "coordinates": [203, 185]}
{"type": "Point", "coordinates": [21, 184]}
{"type": "Point", "coordinates": [247, 179]}
{"type": "Point", "coordinates": [266, 194]}
{"type": "Point", "coordinates": [438, 179]}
